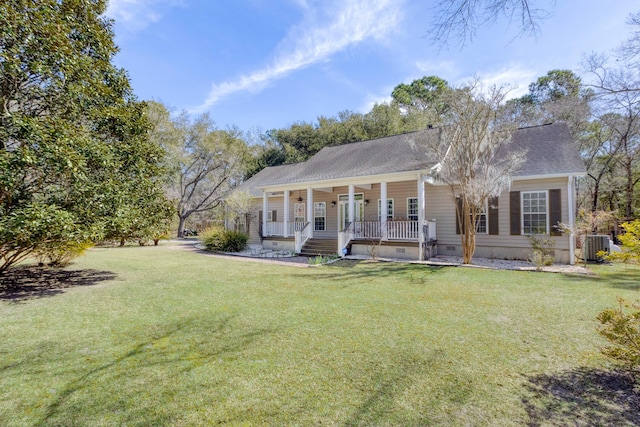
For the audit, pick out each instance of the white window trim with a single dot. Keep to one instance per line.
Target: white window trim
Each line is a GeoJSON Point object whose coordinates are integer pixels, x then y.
{"type": "Point", "coordinates": [417, 215]}
{"type": "Point", "coordinates": [522, 213]}
{"type": "Point", "coordinates": [486, 219]}
{"type": "Point", "coordinates": [269, 215]}
{"type": "Point", "coordinates": [324, 208]}
{"type": "Point", "coordinates": [356, 197]}
{"type": "Point", "coordinates": [393, 209]}
{"type": "Point", "coordinates": [302, 218]}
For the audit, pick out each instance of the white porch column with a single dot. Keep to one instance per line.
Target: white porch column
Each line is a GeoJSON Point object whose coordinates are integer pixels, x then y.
{"type": "Point", "coordinates": [310, 211]}
{"type": "Point", "coordinates": [286, 213]}
{"type": "Point", "coordinates": [265, 208]}
{"type": "Point", "coordinates": [384, 209]}
{"type": "Point", "coordinates": [421, 206]}
{"type": "Point", "coordinates": [352, 202]}
{"type": "Point", "coordinates": [572, 212]}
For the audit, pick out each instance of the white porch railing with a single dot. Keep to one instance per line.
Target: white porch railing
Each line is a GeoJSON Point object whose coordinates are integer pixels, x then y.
{"type": "Point", "coordinates": [395, 230]}
{"type": "Point", "coordinates": [276, 228]}
{"type": "Point", "coordinates": [296, 226]}
{"type": "Point", "coordinates": [366, 229]}
{"type": "Point", "coordinates": [402, 230]}
{"type": "Point", "coordinates": [301, 236]}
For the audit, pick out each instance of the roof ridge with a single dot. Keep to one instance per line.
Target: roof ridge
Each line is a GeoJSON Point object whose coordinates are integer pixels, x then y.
{"type": "Point", "coordinates": [543, 124]}
{"type": "Point", "coordinates": [369, 140]}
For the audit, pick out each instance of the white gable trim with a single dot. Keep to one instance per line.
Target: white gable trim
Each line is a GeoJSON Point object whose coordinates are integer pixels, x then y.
{"type": "Point", "coordinates": [355, 180]}
{"type": "Point", "coordinates": [548, 176]}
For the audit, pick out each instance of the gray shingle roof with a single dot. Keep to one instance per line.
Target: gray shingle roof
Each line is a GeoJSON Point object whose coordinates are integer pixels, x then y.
{"type": "Point", "coordinates": [398, 153]}
{"type": "Point", "coordinates": [550, 151]}
{"type": "Point", "coordinates": [267, 176]}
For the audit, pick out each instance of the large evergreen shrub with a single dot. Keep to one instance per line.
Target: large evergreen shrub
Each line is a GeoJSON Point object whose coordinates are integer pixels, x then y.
{"type": "Point", "coordinates": [217, 239]}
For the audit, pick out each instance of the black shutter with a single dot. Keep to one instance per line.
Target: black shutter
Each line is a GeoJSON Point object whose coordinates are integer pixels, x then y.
{"type": "Point", "coordinates": [459, 227]}
{"type": "Point", "coordinates": [492, 216]}
{"type": "Point", "coordinates": [274, 215]}
{"type": "Point", "coordinates": [514, 212]}
{"type": "Point", "coordinates": [555, 212]}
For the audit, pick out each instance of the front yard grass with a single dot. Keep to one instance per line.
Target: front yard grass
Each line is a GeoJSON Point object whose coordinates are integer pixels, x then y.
{"type": "Point", "coordinates": [166, 337]}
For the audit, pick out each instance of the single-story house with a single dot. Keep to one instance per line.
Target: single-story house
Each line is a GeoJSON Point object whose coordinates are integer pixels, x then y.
{"type": "Point", "coordinates": [381, 195]}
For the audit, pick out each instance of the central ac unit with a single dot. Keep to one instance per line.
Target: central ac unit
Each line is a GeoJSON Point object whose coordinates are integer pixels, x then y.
{"type": "Point", "coordinates": [594, 244]}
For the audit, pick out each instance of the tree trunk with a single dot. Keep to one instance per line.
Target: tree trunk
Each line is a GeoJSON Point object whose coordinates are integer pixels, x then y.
{"type": "Point", "coordinates": [467, 234]}
{"type": "Point", "coordinates": [629, 190]}
{"type": "Point", "coordinates": [181, 222]}
{"type": "Point", "coordinates": [469, 245]}
{"type": "Point", "coordinates": [596, 190]}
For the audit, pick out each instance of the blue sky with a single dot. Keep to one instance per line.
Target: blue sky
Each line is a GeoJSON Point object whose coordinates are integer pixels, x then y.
{"type": "Point", "coordinates": [264, 64]}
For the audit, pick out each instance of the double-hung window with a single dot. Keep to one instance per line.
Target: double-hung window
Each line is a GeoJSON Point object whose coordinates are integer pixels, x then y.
{"type": "Point", "coordinates": [319, 216]}
{"type": "Point", "coordinates": [412, 208]}
{"type": "Point", "coordinates": [535, 212]}
{"type": "Point", "coordinates": [389, 210]}
{"type": "Point", "coordinates": [481, 220]}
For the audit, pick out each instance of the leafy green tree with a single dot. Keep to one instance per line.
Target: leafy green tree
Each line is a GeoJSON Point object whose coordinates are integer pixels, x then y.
{"type": "Point", "coordinates": [264, 155]}
{"type": "Point", "coordinates": [73, 138]}
{"type": "Point", "coordinates": [630, 241]}
{"type": "Point", "coordinates": [426, 93]}
{"type": "Point", "coordinates": [556, 84]}
{"type": "Point", "coordinates": [559, 95]}
{"type": "Point", "coordinates": [621, 327]}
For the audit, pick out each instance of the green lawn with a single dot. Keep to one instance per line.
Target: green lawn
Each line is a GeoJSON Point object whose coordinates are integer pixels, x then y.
{"type": "Point", "coordinates": [159, 336]}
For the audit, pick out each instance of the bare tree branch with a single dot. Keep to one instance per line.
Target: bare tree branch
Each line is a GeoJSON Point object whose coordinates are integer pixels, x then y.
{"type": "Point", "coordinates": [459, 20]}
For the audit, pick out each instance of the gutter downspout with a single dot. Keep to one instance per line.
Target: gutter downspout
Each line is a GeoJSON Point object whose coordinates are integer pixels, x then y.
{"type": "Point", "coordinates": [265, 208]}
{"type": "Point", "coordinates": [572, 213]}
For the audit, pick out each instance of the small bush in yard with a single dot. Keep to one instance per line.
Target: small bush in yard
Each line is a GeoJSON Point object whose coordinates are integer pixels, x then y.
{"type": "Point", "coordinates": [542, 254]}
{"type": "Point", "coordinates": [217, 239]}
{"type": "Point", "coordinates": [60, 254]}
{"type": "Point", "coordinates": [621, 326]}
{"type": "Point", "coordinates": [322, 259]}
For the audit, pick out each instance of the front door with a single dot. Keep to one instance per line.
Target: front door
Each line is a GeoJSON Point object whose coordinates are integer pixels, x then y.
{"type": "Point", "coordinates": [343, 212]}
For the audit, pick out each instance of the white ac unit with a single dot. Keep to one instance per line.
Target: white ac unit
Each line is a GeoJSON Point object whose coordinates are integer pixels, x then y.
{"type": "Point", "coordinates": [594, 244]}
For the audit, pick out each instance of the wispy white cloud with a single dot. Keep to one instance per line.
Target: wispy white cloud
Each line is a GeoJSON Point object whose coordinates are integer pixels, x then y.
{"type": "Point", "coordinates": [327, 28]}
{"type": "Point", "coordinates": [135, 15]}
{"type": "Point", "coordinates": [372, 99]}
{"type": "Point", "coordinates": [513, 76]}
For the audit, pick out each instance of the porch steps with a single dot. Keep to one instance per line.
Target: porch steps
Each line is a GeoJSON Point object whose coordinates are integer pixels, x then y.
{"type": "Point", "coordinates": [315, 247]}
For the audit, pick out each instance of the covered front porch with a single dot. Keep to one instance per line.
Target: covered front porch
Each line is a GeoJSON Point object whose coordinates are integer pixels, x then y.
{"type": "Point", "coordinates": [351, 214]}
